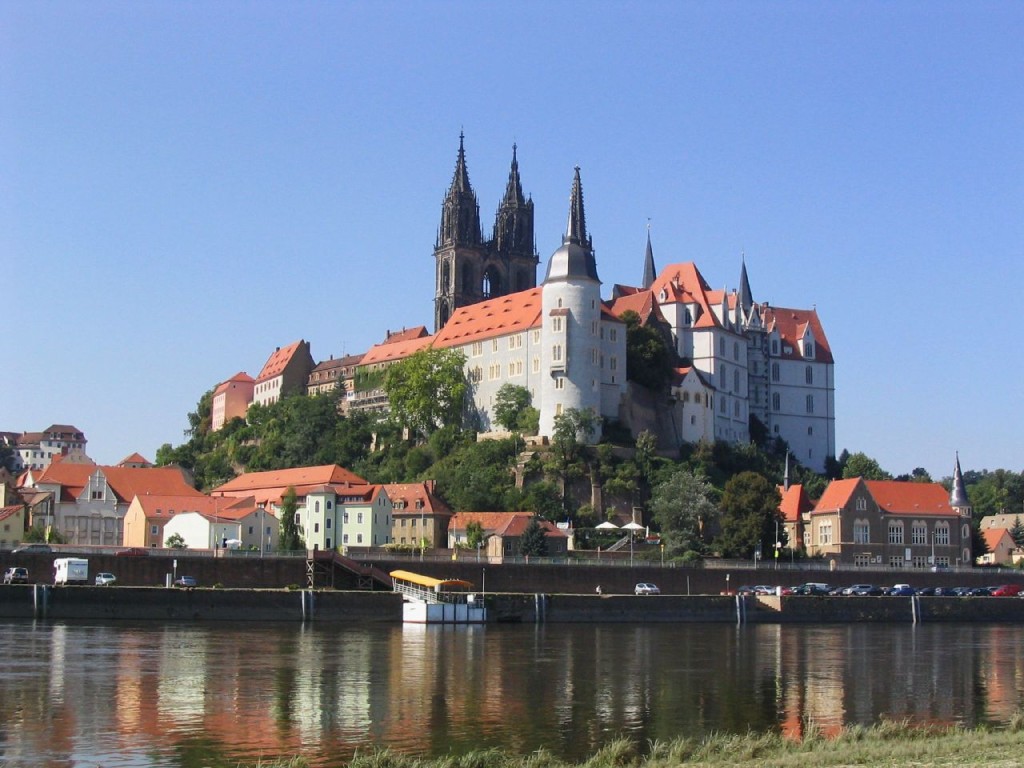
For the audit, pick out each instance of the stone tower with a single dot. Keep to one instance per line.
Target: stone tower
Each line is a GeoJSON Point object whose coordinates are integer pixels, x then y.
{"type": "Point", "coordinates": [469, 268]}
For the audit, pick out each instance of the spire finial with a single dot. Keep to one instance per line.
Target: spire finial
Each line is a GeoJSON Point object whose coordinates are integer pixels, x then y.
{"type": "Point", "coordinates": [576, 231]}
{"type": "Point", "coordinates": [650, 272]}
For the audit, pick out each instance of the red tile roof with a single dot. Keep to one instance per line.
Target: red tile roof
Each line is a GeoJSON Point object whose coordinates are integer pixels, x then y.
{"type": "Point", "coordinates": [227, 507]}
{"type": "Point", "coordinates": [125, 482]}
{"type": "Point", "coordinates": [795, 502]}
{"type": "Point", "coordinates": [394, 350]}
{"type": "Point", "coordinates": [489, 521]}
{"type": "Point", "coordinates": [791, 323]}
{"type": "Point", "coordinates": [406, 334]}
{"type": "Point", "coordinates": [278, 361]}
{"type": "Point", "coordinates": [495, 317]}
{"type": "Point", "coordinates": [135, 458]}
{"type": "Point", "coordinates": [269, 487]}
{"type": "Point", "coordinates": [892, 497]}
{"type": "Point", "coordinates": [993, 537]}
{"type": "Point", "coordinates": [240, 377]}
{"type": "Point", "coordinates": [641, 302]}
{"type": "Point", "coordinates": [410, 493]}
{"type": "Point", "coordinates": [683, 283]}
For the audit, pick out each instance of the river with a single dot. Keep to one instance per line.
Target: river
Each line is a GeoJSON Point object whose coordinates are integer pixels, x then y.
{"type": "Point", "coordinates": [119, 694]}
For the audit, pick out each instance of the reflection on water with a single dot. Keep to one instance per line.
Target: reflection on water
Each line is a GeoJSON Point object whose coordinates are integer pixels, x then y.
{"type": "Point", "coordinates": [214, 695]}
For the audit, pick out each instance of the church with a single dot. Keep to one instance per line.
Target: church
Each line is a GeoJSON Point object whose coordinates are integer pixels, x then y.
{"type": "Point", "coordinates": [742, 366]}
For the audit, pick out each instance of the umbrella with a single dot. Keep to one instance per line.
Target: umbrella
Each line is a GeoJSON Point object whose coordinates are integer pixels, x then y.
{"type": "Point", "coordinates": [607, 525]}
{"type": "Point", "coordinates": [631, 526]}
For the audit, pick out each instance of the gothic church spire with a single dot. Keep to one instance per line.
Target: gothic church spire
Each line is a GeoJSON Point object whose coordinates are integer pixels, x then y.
{"type": "Point", "coordinates": [649, 271]}
{"type": "Point", "coordinates": [460, 215]}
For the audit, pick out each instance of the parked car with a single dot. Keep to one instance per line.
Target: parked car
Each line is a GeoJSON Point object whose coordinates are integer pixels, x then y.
{"type": "Point", "coordinates": [16, 576]}
{"type": "Point", "coordinates": [646, 588]}
{"type": "Point", "coordinates": [34, 548]}
{"type": "Point", "coordinates": [1007, 590]}
{"type": "Point", "coordinates": [901, 590]}
{"type": "Point", "coordinates": [105, 579]}
{"type": "Point", "coordinates": [861, 590]}
{"type": "Point", "coordinates": [812, 588]}
{"type": "Point", "coordinates": [187, 581]}
{"type": "Point", "coordinates": [746, 590]}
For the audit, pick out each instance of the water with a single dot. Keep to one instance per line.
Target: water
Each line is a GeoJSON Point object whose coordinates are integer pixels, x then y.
{"type": "Point", "coordinates": [111, 695]}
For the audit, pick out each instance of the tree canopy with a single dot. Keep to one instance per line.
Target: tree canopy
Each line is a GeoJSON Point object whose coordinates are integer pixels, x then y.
{"type": "Point", "coordinates": [682, 507]}
{"type": "Point", "coordinates": [428, 390]}
{"type": "Point", "coordinates": [750, 516]}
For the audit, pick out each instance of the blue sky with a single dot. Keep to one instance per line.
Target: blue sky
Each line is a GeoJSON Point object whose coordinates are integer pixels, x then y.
{"type": "Point", "coordinates": [188, 185]}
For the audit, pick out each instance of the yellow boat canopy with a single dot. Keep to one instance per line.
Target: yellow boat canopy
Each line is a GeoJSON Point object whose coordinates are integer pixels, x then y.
{"type": "Point", "coordinates": [429, 581]}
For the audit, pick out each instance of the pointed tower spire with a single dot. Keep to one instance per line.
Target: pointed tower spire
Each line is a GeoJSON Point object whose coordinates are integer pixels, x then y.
{"type": "Point", "coordinates": [514, 189]}
{"type": "Point", "coordinates": [649, 271]}
{"type": "Point", "coordinates": [958, 495]}
{"type": "Point", "coordinates": [460, 214]}
{"type": "Point", "coordinates": [746, 298]}
{"type": "Point", "coordinates": [576, 231]}
{"type": "Point", "coordinates": [785, 477]}
{"type": "Point", "coordinates": [513, 231]}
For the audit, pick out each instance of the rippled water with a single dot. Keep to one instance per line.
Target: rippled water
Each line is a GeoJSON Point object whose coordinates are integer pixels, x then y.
{"type": "Point", "coordinates": [113, 695]}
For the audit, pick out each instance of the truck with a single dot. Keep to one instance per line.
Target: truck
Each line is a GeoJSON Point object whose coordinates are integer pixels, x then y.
{"type": "Point", "coordinates": [70, 570]}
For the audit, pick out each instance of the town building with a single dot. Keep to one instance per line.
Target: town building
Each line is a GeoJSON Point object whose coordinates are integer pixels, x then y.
{"type": "Point", "coordinates": [12, 525]}
{"type": "Point", "coordinates": [335, 373]}
{"type": "Point", "coordinates": [209, 521]}
{"type": "Point", "coordinates": [419, 517]}
{"type": "Point", "coordinates": [502, 534]}
{"type": "Point", "coordinates": [286, 372]}
{"type": "Point", "coordinates": [231, 399]}
{"type": "Point", "coordinates": [1002, 550]}
{"type": "Point", "coordinates": [89, 502]}
{"type": "Point", "coordinates": [36, 450]}
{"type": "Point", "coordinates": [891, 523]}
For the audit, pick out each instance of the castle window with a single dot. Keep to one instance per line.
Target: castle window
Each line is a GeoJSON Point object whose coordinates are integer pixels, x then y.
{"type": "Point", "coordinates": [775, 371]}
{"type": "Point", "coordinates": [536, 364]}
{"type": "Point", "coordinates": [556, 324]}
{"type": "Point", "coordinates": [556, 353]}
{"type": "Point", "coordinates": [735, 350]}
{"type": "Point", "coordinates": [810, 404]}
{"type": "Point", "coordinates": [809, 375]}
{"type": "Point", "coordinates": [559, 383]}
{"type": "Point", "coordinates": [808, 349]}
{"type": "Point", "coordinates": [477, 349]}
{"type": "Point", "coordinates": [942, 534]}
{"type": "Point", "coordinates": [775, 346]}
{"type": "Point", "coordinates": [776, 401]}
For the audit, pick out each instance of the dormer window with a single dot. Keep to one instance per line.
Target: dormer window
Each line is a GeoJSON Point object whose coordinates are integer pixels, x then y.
{"type": "Point", "coordinates": [808, 348]}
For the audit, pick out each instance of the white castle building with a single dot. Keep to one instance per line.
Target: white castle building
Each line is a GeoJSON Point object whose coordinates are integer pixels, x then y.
{"type": "Point", "coordinates": [741, 362]}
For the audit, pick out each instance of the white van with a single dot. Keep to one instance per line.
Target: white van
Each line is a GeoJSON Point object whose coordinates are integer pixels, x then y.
{"type": "Point", "coordinates": [70, 570]}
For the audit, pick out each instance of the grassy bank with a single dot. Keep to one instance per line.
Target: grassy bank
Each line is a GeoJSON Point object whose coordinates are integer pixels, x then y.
{"type": "Point", "coordinates": [888, 744]}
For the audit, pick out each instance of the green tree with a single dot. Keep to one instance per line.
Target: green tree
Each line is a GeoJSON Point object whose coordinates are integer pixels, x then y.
{"type": "Point", "coordinates": [750, 516]}
{"type": "Point", "coordinates": [474, 534]}
{"type": "Point", "coordinates": [648, 358]}
{"type": "Point", "coordinates": [510, 401]}
{"type": "Point", "coordinates": [572, 430]}
{"type": "Point", "coordinates": [175, 541]}
{"type": "Point", "coordinates": [478, 476]}
{"type": "Point", "coordinates": [290, 538]}
{"type": "Point", "coordinates": [862, 465]}
{"type": "Point", "coordinates": [1017, 531]}
{"type": "Point", "coordinates": [428, 390]}
{"type": "Point", "coordinates": [682, 506]}
{"type": "Point", "coordinates": [533, 541]}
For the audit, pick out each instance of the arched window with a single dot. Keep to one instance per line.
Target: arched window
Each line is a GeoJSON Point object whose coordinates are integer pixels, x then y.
{"type": "Point", "coordinates": [776, 401]}
{"type": "Point", "coordinates": [491, 285]}
{"type": "Point", "coordinates": [809, 375]}
{"type": "Point", "coordinates": [446, 277]}
{"type": "Point", "coordinates": [896, 532]}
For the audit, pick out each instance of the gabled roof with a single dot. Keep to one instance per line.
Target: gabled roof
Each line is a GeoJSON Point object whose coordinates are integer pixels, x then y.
{"type": "Point", "coordinates": [228, 507]}
{"type": "Point", "coordinates": [279, 360]}
{"type": "Point", "coordinates": [270, 486]}
{"type": "Point", "coordinates": [410, 493]}
{"type": "Point", "coordinates": [489, 521]}
{"type": "Point", "coordinates": [791, 325]}
{"type": "Point", "coordinates": [512, 313]}
{"type": "Point", "coordinates": [395, 350]}
{"type": "Point", "coordinates": [6, 512]}
{"type": "Point", "coordinates": [239, 378]}
{"type": "Point", "coordinates": [795, 502]}
{"type": "Point", "coordinates": [893, 497]}
{"type": "Point", "coordinates": [406, 334]}
{"type": "Point", "coordinates": [520, 520]}
{"type": "Point", "coordinates": [30, 438]}
{"type": "Point", "coordinates": [679, 375]}
{"type": "Point", "coordinates": [125, 482]}
{"type": "Point", "coordinates": [135, 458]}
{"type": "Point", "coordinates": [684, 284]}
{"type": "Point", "coordinates": [994, 537]}
{"type": "Point", "coordinates": [641, 302]}
{"type": "Point", "coordinates": [338, 362]}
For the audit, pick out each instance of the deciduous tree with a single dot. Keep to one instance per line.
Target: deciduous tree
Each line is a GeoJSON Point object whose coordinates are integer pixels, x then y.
{"type": "Point", "coordinates": [428, 390]}
{"type": "Point", "coordinates": [682, 506]}
{"type": "Point", "coordinates": [750, 516]}
{"type": "Point", "coordinates": [290, 538]}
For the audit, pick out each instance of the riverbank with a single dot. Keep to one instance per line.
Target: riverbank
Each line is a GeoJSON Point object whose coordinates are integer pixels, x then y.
{"type": "Point", "coordinates": [887, 744]}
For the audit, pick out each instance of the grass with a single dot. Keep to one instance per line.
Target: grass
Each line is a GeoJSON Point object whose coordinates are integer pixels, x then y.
{"type": "Point", "coordinates": [885, 744]}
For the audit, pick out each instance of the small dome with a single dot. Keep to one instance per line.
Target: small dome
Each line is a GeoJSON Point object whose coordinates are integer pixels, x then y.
{"type": "Point", "coordinates": [571, 260]}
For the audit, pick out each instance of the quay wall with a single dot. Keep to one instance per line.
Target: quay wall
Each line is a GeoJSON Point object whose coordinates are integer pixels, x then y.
{"type": "Point", "coordinates": [262, 605]}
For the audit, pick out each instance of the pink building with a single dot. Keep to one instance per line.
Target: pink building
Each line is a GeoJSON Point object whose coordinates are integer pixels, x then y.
{"type": "Point", "coordinates": [231, 399]}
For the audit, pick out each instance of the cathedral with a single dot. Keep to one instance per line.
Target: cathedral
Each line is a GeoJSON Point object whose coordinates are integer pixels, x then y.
{"type": "Point", "coordinates": [471, 268]}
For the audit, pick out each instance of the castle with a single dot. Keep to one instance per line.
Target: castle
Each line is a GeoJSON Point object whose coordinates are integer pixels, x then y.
{"type": "Point", "coordinates": [740, 362]}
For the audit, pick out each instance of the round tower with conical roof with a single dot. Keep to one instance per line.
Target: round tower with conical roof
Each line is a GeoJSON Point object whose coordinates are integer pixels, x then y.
{"type": "Point", "coordinates": [570, 321]}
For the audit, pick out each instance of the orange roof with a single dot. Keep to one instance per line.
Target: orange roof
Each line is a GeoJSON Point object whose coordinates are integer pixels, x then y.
{"type": "Point", "coordinates": [269, 487]}
{"type": "Point", "coordinates": [406, 334]}
{"type": "Point", "coordinates": [135, 458]}
{"type": "Point", "coordinates": [993, 536]}
{"type": "Point", "coordinates": [489, 521]}
{"type": "Point", "coordinates": [395, 350]}
{"type": "Point", "coordinates": [791, 324]}
{"type": "Point", "coordinates": [495, 317]}
{"type": "Point", "coordinates": [893, 497]}
{"type": "Point", "coordinates": [683, 283]}
{"type": "Point", "coordinates": [278, 361]}
{"type": "Point", "coordinates": [410, 493]}
{"type": "Point", "coordinates": [125, 482]}
{"type": "Point", "coordinates": [6, 512]}
{"type": "Point", "coordinates": [794, 503]}
{"type": "Point", "coordinates": [517, 524]}
{"type": "Point", "coordinates": [642, 302]}
{"type": "Point", "coordinates": [228, 507]}
{"type": "Point", "coordinates": [241, 376]}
